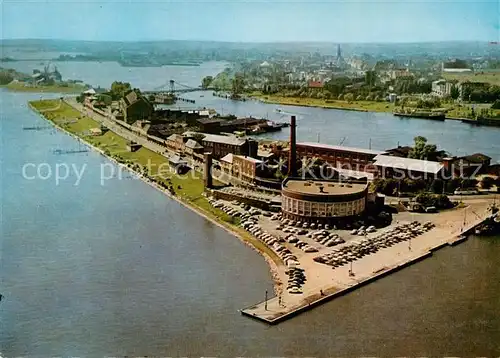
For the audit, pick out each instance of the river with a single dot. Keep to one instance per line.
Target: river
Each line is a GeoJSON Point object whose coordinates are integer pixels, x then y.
{"type": "Point", "coordinates": [120, 269]}
{"type": "Point", "coordinates": [362, 129]}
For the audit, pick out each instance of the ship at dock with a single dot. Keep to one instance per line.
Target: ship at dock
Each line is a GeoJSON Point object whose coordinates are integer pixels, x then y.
{"type": "Point", "coordinates": [437, 116]}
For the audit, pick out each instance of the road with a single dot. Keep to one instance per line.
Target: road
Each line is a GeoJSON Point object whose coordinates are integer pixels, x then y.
{"type": "Point", "coordinates": [116, 128]}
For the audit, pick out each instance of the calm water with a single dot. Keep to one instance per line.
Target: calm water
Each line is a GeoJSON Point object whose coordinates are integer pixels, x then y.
{"type": "Point", "coordinates": [380, 130]}
{"type": "Point", "coordinates": [120, 269]}
{"type": "Point", "coordinates": [357, 128]}
{"type": "Point", "coordinates": [104, 73]}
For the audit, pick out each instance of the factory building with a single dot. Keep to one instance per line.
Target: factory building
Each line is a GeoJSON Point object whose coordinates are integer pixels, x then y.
{"type": "Point", "coordinates": [322, 201]}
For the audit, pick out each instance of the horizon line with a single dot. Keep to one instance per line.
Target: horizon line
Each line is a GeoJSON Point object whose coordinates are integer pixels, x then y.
{"type": "Point", "coordinates": [250, 42]}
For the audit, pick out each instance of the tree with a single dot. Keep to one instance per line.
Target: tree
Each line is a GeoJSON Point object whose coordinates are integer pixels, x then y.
{"type": "Point", "coordinates": [422, 150]}
{"type": "Point", "coordinates": [349, 97]}
{"type": "Point", "coordinates": [370, 78]}
{"type": "Point", "coordinates": [487, 182]}
{"type": "Point", "coordinates": [496, 105]}
{"type": "Point", "coordinates": [469, 183]}
{"type": "Point", "coordinates": [5, 78]}
{"type": "Point", "coordinates": [238, 84]}
{"type": "Point", "coordinates": [118, 89]}
{"type": "Point", "coordinates": [206, 81]}
{"type": "Point", "coordinates": [198, 137]}
{"type": "Point", "coordinates": [437, 186]}
{"type": "Point", "coordinates": [454, 92]}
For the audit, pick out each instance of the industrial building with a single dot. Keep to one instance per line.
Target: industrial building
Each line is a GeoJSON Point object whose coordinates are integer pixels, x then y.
{"type": "Point", "coordinates": [242, 167]}
{"type": "Point", "coordinates": [221, 145]}
{"type": "Point", "coordinates": [322, 201]}
{"type": "Point", "coordinates": [337, 155]}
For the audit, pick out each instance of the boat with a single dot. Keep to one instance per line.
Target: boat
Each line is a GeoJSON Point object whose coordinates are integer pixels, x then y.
{"type": "Point", "coordinates": [437, 116]}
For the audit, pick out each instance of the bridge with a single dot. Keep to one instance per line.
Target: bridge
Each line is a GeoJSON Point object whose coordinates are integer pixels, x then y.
{"type": "Point", "coordinates": [173, 87]}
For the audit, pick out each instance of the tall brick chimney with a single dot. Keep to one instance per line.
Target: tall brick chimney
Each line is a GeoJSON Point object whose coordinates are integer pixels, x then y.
{"type": "Point", "coordinates": [207, 172]}
{"type": "Point", "coordinates": [292, 154]}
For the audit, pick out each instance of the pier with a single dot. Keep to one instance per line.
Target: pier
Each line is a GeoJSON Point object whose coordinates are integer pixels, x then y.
{"type": "Point", "coordinates": [37, 128]}
{"type": "Point", "coordinates": [69, 151]}
{"type": "Point", "coordinates": [279, 309]}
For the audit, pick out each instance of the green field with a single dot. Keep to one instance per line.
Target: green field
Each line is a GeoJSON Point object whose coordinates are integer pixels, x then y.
{"type": "Point", "coordinates": [188, 188]}
{"type": "Point", "coordinates": [364, 106]}
{"type": "Point", "coordinates": [489, 77]}
{"type": "Point", "coordinates": [23, 87]}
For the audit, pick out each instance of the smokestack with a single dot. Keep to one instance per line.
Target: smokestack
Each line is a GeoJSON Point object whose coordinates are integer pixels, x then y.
{"type": "Point", "coordinates": [208, 171]}
{"type": "Point", "coordinates": [292, 154]}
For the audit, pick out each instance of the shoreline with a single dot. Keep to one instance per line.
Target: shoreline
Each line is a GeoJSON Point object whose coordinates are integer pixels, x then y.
{"type": "Point", "coordinates": [273, 266]}
{"type": "Point", "coordinates": [489, 122]}
{"type": "Point", "coordinates": [318, 105]}
{"type": "Point", "coordinates": [41, 89]}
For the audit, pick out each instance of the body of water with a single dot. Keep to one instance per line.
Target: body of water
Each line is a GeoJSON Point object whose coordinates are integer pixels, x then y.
{"type": "Point", "coordinates": [120, 269]}
{"type": "Point", "coordinates": [104, 73]}
{"type": "Point", "coordinates": [362, 129]}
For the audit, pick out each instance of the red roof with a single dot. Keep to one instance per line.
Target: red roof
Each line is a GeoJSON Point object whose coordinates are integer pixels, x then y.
{"type": "Point", "coordinates": [315, 84]}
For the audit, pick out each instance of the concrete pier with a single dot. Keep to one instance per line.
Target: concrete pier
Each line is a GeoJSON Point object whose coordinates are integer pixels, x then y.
{"type": "Point", "coordinates": [277, 309]}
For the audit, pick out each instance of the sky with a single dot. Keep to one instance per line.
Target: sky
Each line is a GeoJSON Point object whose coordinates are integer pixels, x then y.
{"type": "Point", "coordinates": [252, 20]}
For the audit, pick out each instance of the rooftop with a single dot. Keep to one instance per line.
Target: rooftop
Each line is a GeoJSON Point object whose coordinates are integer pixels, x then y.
{"type": "Point", "coordinates": [208, 120]}
{"type": "Point", "coordinates": [175, 137]}
{"type": "Point", "coordinates": [215, 138]}
{"type": "Point", "coordinates": [328, 187]}
{"type": "Point", "coordinates": [476, 158]}
{"type": "Point", "coordinates": [228, 158]}
{"type": "Point", "coordinates": [264, 154]}
{"type": "Point", "coordinates": [341, 148]}
{"type": "Point", "coordinates": [193, 144]}
{"type": "Point", "coordinates": [354, 174]}
{"type": "Point", "coordinates": [417, 165]}
{"type": "Point", "coordinates": [177, 160]}
{"type": "Point", "coordinates": [250, 159]}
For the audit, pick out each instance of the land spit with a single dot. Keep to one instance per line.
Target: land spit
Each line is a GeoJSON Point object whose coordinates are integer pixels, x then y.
{"type": "Point", "coordinates": [324, 283]}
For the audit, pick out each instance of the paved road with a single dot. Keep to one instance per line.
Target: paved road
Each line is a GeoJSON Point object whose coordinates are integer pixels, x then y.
{"type": "Point", "coordinates": [116, 128]}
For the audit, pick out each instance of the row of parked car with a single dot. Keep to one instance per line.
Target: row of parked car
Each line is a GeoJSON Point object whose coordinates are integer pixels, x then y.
{"type": "Point", "coordinates": [326, 238]}
{"type": "Point", "coordinates": [304, 225]}
{"type": "Point", "coordinates": [291, 230]}
{"type": "Point", "coordinates": [275, 243]}
{"type": "Point", "coordinates": [362, 231]}
{"type": "Point", "coordinates": [296, 278]}
{"type": "Point", "coordinates": [235, 213]}
{"type": "Point", "coordinates": [304, 246]}
{"type": "Point", "coordinates": [357, 249]}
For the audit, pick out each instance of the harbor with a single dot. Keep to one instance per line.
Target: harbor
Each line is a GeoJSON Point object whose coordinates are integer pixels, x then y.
{"type": "Point", "coordinates": [279, 309]}
{"type": "Point", "coordinates": [390, 251]}
{"type": "Point", "coordinates": [369, 298]}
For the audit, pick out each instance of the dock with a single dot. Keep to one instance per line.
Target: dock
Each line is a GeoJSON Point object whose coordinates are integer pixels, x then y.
{"type": "Point", "coordinates": [274, 310]}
